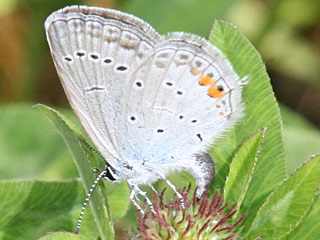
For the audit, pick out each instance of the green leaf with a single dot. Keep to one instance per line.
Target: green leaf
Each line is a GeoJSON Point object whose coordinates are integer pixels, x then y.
{"type": "Point", "coordinates": [288, 204]}
{"type": "Point", "coordinates": [309, 228]}
{"type": "Point", "coordinates": [63, 236]}
{"type": "Point", "coordinates": [262, 111]}
{"type": "Point", "coordinates": [300, 137]}
{"type": "Point", "coordinates": [242, 168]}
{"type": "Point", "coordinates": [26, 142]}
{"type": "Point", "coordinates": [98, 203]}
{"type": "Point", "coordinates": [118, 198]}
{"type": "Point", "coordinates": [30, 209]}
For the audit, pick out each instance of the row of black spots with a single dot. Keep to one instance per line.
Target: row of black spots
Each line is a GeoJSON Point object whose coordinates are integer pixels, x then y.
{"type": "Point", "coordinates": [170, 84]}
{"type": "Point", "coordinates": [139, 85]}
{"type": "Point", "coordinates": [80, 55]}
{"type": "Point", "coordinates": [181, 117]}
{"type": "Point", "coordinates": [133, 119]}
{"type": "Point", "coordinates": [95, 57]}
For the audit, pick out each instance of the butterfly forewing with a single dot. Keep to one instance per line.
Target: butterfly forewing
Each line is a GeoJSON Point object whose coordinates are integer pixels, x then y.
{"type": "Point", "coordinates": [94, 51]}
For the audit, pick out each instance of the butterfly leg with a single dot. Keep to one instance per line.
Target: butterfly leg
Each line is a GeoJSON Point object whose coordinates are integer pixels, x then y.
{"type": "Point", "coordinates": [173, 188]}
{"type": "Point", "coordinates": [133, 196]}
{"type": "Point", "coordinates": [153, 189]}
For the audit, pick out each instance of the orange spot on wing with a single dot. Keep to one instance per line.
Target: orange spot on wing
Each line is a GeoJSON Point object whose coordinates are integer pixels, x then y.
{"type": "Point", "coordinates": [213, 91]}
{"type": "Point", "coordinates": [206, 80]}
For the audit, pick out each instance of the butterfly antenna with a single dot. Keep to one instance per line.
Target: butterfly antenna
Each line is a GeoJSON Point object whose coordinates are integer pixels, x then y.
{"type": "Point", "coordinates": [91, 148]}
{"type": "Point", "coordinates": [110, 173]}
{"type": "Point", "coordinates": [85, 203]}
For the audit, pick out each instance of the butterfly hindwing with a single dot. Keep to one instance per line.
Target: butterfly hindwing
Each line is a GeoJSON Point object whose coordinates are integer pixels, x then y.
{"type": "Point", "coordinates": [182, 98]}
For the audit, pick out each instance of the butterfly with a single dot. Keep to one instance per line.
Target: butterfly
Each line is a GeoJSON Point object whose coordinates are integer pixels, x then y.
{"type": "Point", "coordinates": [151, 104]}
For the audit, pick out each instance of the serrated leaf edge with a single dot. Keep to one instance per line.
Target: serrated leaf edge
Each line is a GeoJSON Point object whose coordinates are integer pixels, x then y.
{"type": "Point", "coordinates": [280, 184]}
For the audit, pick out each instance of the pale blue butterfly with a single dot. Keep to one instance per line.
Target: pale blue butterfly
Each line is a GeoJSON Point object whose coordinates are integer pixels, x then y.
{"type": "Point", "coordinates": [151, 104]}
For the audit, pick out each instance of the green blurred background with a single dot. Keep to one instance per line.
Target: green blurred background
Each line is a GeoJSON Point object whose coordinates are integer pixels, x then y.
{"type": "Point", "coordinates": [285, 32]}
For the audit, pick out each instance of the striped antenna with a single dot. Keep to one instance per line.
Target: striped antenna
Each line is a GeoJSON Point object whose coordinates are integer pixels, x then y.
{"type": "Point", "coordinates": [91, 148]}
{"type": "Point", "coordinates": [93, 186]}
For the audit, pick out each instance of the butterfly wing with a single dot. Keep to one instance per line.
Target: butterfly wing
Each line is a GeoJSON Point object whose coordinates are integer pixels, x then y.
{"type": "Point", "coordinates": [94, 51]}
{"type": "Point", "coordinates": [184, 96]}
{"type": "Point", "coordinates": [149, 103]}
